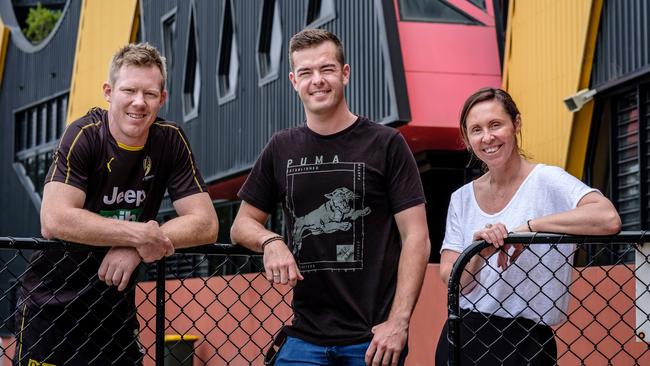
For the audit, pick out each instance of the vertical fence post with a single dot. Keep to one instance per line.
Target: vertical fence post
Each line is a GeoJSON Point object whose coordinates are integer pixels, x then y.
{"type": "Point", "coordinates": [160, 312]}
{"type": "Point", "coordinates": [453, 322]}
{"type": "Point", "coordinates": [453, 338]}
{"type": "Point", "coordinates": [453, 300]}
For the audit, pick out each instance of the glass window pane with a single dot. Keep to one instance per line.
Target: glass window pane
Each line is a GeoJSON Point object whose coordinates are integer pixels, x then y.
{"type": "Point", "coordinates": [192, 82]}
{"type": "Point", "coordinates": [41, 171]}
{"type": "Point", "coordinates": [22, 130]}
{"type": "Point", "coordinates": [270, 41]}
{"type": "Point", "coordinates": [479, 3]}
{"type": "Point", "coordinates": [319, 12]}
{"type": "Point", "coordinates": [228, 67]}
{"type": "Point", "coordinates": [276, 41]}
{"type": "Point", "coordinates": [42, 125]}
{"type": "Point", "coordinates": [33, 127]}
{"type": "Point", "coordinates": [169, 33]}
{"type": "Point", "coordinates": [436, 11]}
{"type": "Point", "coordinates": [627, 177]}
{"type": "Point", "coordinates": [169, 40]}
{"type": "Point", "coordinates": [313, 10]}
{"type": "Point", "coordinates": [52, 122]}
{"type": "Point", "coordinates": [30, 169]}
{"type": "Point", "coordinates": [233, 71]}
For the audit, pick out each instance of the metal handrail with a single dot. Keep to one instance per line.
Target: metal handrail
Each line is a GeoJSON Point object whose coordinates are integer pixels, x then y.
{"type": "Point", "coordinates": [8, 242]}
{"type": "Point", "coordinates": [453, 296]}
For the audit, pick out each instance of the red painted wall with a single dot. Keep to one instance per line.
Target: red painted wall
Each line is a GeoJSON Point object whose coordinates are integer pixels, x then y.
{"type": "Point", "coordinates": [444, 64]}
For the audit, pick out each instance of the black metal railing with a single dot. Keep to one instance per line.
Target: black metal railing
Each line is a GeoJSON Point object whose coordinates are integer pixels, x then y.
{"type": "Point", "coordinates": [597, 315]}
{"type": "Point", "coordinates": [222, 318]}
{"type": "Point", "coordinates": [215, 318]}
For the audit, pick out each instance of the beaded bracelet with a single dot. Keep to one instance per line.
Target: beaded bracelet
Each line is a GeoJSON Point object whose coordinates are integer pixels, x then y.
{"type": "Point", "coordinates": [529, 228]}
{"type": "Point", "coordinates": [270, 240]}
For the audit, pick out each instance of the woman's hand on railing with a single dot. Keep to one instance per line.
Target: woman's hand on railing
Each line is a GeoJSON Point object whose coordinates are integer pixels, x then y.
{"type": "Point", "coordinates": [495, 235]}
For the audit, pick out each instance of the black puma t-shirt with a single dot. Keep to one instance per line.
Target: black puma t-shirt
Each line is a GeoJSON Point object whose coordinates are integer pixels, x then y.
{"type": "Point", "coordinates": [339, 195]}
{"type": "Point", "coordinates": [120, 182]}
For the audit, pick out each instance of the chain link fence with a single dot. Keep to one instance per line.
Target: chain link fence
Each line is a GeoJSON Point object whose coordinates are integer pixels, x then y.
{"type": "Point", "coordinates": [528, 304]}
{"type": "Point", "coordinates": [212, 305]}
{"type": "Point", "coordinates": [206, 305]}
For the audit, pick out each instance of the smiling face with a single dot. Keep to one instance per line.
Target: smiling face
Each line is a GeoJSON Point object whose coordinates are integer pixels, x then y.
{"type": "Point", "coordinates": [491, 133]}
{"type": "Point", "coordinates": [135, 99]}
{"type": "Point", "coordinates": [319, 78]}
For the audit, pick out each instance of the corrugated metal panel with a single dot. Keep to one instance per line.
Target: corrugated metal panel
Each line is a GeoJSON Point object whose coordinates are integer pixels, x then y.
{"type": "Point", "coordinates": [545, 53]}
{"type": "Point", "coordinates": [227, 138]}
{"type": "Point", "coordinates": [104, 26]}
{"type": "Point", "coordinates": [623, 47]}
{"type": "Point", "coordinates": [32, 73]}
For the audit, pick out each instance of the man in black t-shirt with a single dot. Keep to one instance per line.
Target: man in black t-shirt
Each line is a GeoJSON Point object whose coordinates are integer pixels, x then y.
{"type": "Point", "coordinates": [354, 215]}
{"type": "Point", "coordinates": [104, 188]}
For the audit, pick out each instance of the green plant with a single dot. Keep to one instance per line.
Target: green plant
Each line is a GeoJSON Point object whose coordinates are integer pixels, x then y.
{"type": "Point", "coordinates": [40, 22]}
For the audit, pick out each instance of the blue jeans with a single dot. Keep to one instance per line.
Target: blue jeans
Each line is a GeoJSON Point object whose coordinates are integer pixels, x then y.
{"type": "Point", "coordinates": [298, 352]}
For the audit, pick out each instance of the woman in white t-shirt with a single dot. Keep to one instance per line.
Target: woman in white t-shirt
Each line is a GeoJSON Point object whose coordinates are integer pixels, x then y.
{"type": "Point", "coordinates": [508, 308]}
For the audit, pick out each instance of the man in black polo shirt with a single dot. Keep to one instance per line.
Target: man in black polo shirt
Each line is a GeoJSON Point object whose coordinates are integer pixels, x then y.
{"type": "Point", "coordinates": [104, 188]}
{"type": "Point", "coordinates": [354, 209]}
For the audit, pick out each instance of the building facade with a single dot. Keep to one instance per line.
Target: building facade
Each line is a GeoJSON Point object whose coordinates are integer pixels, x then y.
{"type": "Point", "coordinates": [413, 63]}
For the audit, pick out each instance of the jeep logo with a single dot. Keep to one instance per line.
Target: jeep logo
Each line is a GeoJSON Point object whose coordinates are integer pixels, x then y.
{"type": "Point", "coordinates": [129, 196]}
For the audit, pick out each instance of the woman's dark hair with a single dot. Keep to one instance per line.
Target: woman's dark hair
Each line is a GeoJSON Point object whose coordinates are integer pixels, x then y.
{"type": "Point", "coordinates": [484, 95]}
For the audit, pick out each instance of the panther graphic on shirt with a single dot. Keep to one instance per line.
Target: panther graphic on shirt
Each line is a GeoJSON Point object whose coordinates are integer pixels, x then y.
{"type": "Point", "coordinates": [334, 215]}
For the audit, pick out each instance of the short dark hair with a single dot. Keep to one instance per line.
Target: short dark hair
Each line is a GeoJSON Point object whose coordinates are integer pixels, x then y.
{"type": "Point", "coordinates": [141, 55]}
{"type": "Point", "coordinates": [484, 95]}
{"type": "Point", "coordinates": [310, 37]}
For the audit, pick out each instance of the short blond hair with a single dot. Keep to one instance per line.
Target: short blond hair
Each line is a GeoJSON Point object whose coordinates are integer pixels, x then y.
{"type": "Point", "coordinates": [140, 55]}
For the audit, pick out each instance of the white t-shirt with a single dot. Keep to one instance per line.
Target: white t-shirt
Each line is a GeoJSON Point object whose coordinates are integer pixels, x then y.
{"type": "Point", "coordinates": [542, 294]}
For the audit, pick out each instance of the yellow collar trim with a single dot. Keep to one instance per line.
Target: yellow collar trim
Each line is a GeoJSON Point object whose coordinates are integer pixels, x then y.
{"type": "Point", "coordinates": [129, 148]}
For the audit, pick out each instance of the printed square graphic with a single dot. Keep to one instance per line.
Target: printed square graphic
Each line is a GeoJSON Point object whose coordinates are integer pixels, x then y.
{"type": "Point", "coordinates": [326, 202]}
{"type": "Point", "coordinates": [345, 253]}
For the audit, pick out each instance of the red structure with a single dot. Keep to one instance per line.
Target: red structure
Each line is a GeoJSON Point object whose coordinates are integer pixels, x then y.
{"type": "Point", "coordinates": [444, 63]}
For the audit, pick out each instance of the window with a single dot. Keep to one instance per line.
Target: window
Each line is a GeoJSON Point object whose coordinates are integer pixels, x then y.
{"type": "Point", "coordinates": [228, 66]}
{"type": "Point", "coordinates": [168, 30]}
{"type": "Point", "coordinates": [319, 12]}
{"type": "Point", "coordinates": [37, 130]}
{"type": "Point", "coordinates": [192, 81]}
{"type": "Point", "coordinates": [629, 168]}
{"type": "Point", "coordinates": [436, 11]}
{"type": "Point", "coordinates": [169, 36]}
{"type": "Point", "coordinates": [627, 160]}
{"type": "Point", "coordinates": [269, 48]}
{"type": "Point", "coordinates": [618, 163]}
{"type": "Point", "coordinates": [479, 4]}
